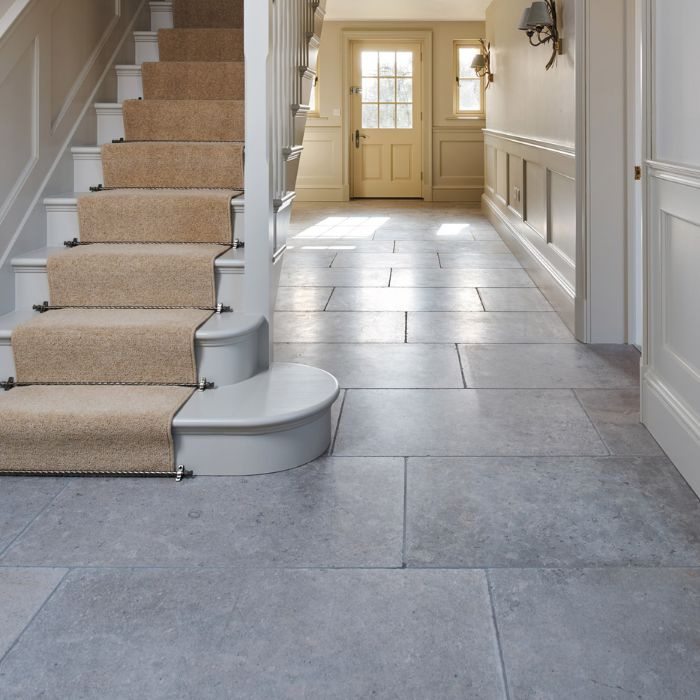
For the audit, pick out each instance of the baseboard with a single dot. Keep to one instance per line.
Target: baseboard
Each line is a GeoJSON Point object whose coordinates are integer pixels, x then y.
{"type": "Point", "coordinates": [472, 195]}
{"type": "Point", "coordinates": [556, 290]}
{"type": "Point", "coordinates": [321, 194]}
{"type": "Point", "coordinates": [674, 426]}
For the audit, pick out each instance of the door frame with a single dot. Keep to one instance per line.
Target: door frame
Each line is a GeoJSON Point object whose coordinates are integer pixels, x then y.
{"type": "Point", "coordinates": [425, 39]}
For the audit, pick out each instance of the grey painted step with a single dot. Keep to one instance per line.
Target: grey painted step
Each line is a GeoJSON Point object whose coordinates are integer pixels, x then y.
{"type": "Point", "coordinates": [274, 421]}
{"type": "Point", "coordinates": [32, 285]}
{"type": "Point", "coordinates": [226, 345]}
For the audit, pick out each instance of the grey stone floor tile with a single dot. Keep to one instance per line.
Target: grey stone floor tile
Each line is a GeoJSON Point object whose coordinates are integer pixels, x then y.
{"type": "Point", "coordinates": [452, 246]}
{"type": "Point", "coordinates": [466, 422]}
{"type": "Point", "coordinates": [336, 635]}
{"type": "Point", "coordinates": [488, 327]}
{"type": "Point", "coordinates": [368, 261]}
{"type": "Point", "coordinates": [380, 366]}
{"type": "Point", "coordinates": [475, 261]}
{"type": "Point", "coordinates": [319, 277]}
{"type": "Point", "coordinates": [550, 512]}
{"type": "Point", "coordinates": [599, 634]}
{"type": "Point", "coordinates": [339, 327]}
{"type": "Point", "coordinates": [21, 500]}
{"type": "Point", "coordinates": [616, 415]}
{"type": "Point", "coordinates": [461, 233]}
{"type": "Point", "coordinates": [309, 245]}
{"type": "Point", "coordinates": [332, 512]}
{"type": "Point", "coordinates": [303, 299]}
{"type": "Point", "coordinates": [487, 233]}
{"type": "Point", "coordinates": [299, 259]}
{"type": "Point", "coordinates": [405, 299]}
{"type": "Point", "coordinates": [564, 366]}
{"type": "Point", "coordinates": [22, 593]}
{"type": "Point", "coordinates": [514, 300]}
{"type": "Point", "coordinates": [461, 278]}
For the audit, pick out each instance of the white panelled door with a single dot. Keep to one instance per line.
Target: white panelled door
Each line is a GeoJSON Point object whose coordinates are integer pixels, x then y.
{"type": "Point", "coordinates": [386, 122]}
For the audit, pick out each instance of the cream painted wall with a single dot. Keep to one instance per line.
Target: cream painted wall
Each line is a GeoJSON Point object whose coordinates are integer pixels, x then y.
{"type": "Point", "coordinates": [457, 144]}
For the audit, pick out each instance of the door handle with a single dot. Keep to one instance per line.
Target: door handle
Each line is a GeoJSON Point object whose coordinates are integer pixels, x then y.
{"type": "Point", "coordinates": [358, 136]}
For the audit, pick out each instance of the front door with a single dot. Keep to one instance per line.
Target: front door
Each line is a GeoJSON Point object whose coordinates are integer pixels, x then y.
{"type": "Point", "coordinates": [387, 158]}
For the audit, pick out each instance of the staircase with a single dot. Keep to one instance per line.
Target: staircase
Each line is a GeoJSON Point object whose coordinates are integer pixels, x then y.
{"type": "Point", "coordinates": [179, 204]}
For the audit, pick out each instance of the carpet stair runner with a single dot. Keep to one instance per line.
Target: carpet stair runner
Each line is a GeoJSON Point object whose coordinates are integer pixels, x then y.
{"type": "Point", "coordinates": [101, 373]}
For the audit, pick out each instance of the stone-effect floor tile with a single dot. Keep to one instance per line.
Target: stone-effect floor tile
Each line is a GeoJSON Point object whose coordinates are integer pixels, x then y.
{"type": "Point", "coordinates": [310, 245]}
{"type": "Point", "coordinates": [332, 512]}
{"type": "Point", "coordinates": [339, 327]}
{"type": "Point", "coordinates": [458, 233]}
{"type": "Point", "coordinates": [319, 277]}
{"type": "Point", "coordinates": [475, 261]}
{"type": "Point", "coordinates": [380, 366]}
{"type": "Point", "coordinates": [461, 278]}
{"type": "Point", "coordinates": [451, 246]}
{"type": "Point", "coordinates": [607, 634]}
{"type": "Point", "coordinates": [301, 299]}
{"type": "Point", "coordinates": [564, 366]}
{"type": "Point", "coordinates": [616, 415]}
{"type": "Point", "coordinates": [303, 259]}
{"type": "Point", "coordinates": [550, 512]}
{"type": "Point", "coordinates": [335, 415]}
{"type": "Point", "coordinates": [467, 422]}
{"type": "Point", "coordinates": [22, 593]}
{"type": "Point", "coordinates": [337, 635]}
{"type": "Point", "coordinates": [21, 500]}
{"type": "Point", "coordinates": [487, 327]}
{"type": "Point", "coordinates": [368, 261]}
{"type": "Point", "coordinates": [401, 299]}
{"type": "Point", "coordinates": [514, 300]}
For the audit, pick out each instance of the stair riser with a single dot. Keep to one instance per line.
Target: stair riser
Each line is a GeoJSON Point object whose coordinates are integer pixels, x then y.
{"type": "Point", "coordinates": [32, 286]}
{"type": "Point", "coordinates": [161, 16]}
{"type": "Point", "coordinates": [129, 83]}
{"type": "Point", "coordinates": [110, 123]}
{"type": "Point", "coordinates": [213, 453]}
{"type": "Point", "coordinates": [87, 169]}
{"type": "Point", "coordinates": [146, 47]}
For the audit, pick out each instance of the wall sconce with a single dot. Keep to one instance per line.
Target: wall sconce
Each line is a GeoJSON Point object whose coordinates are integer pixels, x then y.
{"type": "Point", "coordinates": [541, 19]}
{"type": "Point", "coordinates": [482, 63]}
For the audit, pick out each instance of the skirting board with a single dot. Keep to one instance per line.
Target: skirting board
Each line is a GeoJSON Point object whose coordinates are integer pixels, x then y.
{"type": "Point", "coordinates": [674, 427]}
{"type": "Point", "coordinates": [556, 293]}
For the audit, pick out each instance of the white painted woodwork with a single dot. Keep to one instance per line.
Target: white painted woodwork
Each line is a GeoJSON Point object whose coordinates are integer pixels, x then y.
{"type": "Point", "coordinates": [87, 168]}
{"type": "Point", "coordinates": [415, 10]}
{"type": "Point", "coordinates": [671, 357]}
{"type": "Point", "coordinates": [161, 15]}
{"type": "Point", "coordinates": [129, 83]}
{"type": "Point", "coordinates": [146, 47]}
{"type": "Point", "coordinates": [110, 122]}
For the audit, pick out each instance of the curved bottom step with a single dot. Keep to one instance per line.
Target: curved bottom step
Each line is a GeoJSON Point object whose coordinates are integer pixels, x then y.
{"type": "Point", "coordinates": [274, 421]}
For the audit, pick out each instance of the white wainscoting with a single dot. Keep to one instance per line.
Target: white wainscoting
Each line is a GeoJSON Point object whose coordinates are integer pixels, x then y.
{"type": "Point", "coordinates": [530, 196]}
{"type": "Point", "coordinates": [321, 172]}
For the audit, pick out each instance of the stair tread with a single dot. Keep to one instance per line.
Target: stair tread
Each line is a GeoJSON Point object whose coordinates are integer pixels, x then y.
{"type": "Point", "coordinates": [286, 393]}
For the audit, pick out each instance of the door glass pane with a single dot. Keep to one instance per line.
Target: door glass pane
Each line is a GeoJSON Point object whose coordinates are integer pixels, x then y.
{"type": "Point", "coordinates": [387, 63]}
{"type": "Point", "coordinates": [469, 95]}
{"type": "Point", "coordinates": [404, 90]}
{"type": "Point", "coordinates": [404, 63]}
{"type": "Point", "coordinates": [370, 63]}
{"type": "Point", "coordinates": [370, 90]}
{"type": "Point", "coordinates": [387, 116]}
{"type": "Point", "coordinates": [404, 116]}
{"type": "Point", "coordinates": [370, 118]}
{"type": "Point", "coordinates": [387, 90]}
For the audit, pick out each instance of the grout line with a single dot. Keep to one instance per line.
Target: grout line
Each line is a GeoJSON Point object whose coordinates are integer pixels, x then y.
{"type": "Point", "coordinates": [41, 607]}
{"type": "Point", "coordinates": [331, 449]}
{"type": "Point", "coordinates": [405, 327]}
{"type": "Point", "coordinates": [461, 366]}
{"type": "Point", "coordinates": [405, 514]}
{"type": "Point", "coordinates": [481, 299]}
{"type": "Point", "coordinates": [391, 274]}
{"type": "Point", "coordinates": [591, 421]}
{"type": "Point", "coordinates": [499, 645]}
{"type": "Point", "coordinates": [325, 308]}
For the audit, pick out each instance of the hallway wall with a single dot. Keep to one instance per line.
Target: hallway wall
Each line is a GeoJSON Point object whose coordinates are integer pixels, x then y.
{"type": "Point", "coordinates": [530, 164]}
{"type": "Point", "coordinates": [457, 169]}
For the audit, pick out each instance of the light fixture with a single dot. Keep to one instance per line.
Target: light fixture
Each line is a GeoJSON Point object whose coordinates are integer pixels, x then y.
{"type": "Point", "coordinates": [482, 63]}
{"type": "Point", "coordinates": [541, 19]}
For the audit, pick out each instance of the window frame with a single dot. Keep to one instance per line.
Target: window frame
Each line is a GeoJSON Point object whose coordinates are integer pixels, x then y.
{"type": "Point", "coordinates": [480, 113]}
{"type": "Point", "coordinates": [315, 113]}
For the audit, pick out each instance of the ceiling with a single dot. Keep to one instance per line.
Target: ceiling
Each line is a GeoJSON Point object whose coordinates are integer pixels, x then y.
{"type": "Point", "coordinates": [407, 9]}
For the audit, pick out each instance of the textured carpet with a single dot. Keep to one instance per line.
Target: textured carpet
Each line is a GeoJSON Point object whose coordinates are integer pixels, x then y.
{"type": "Point", "coordinates": [152, 216]}
{"type": "Point", "coordinates": [134, 275]}
{"type": "Point", "coordinates": [77, 345]}
{"type": "Point", "coordinates": [169, 164]}
{"type": "Point", "coordinates": [91, 428]}
{"type": "Point", "coordinates": [184, 120]}
{"type": "Point", "coordinates": [200, 44]}
{"type": "Point", "coordinates": [208, 13]}
{"type": "Point", "coordinates": [223, 80]}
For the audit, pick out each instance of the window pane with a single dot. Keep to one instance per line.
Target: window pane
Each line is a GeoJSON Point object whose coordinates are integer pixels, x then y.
{"type": "Point", "coordinates": [387, 117]}
{"type": "Point", "coordinates": [466, 56]}
{"type": "Point", "coordinates": [404, 116]}
{"type": "Point", "coordinates": [370, 118]}
{"type": "Point", "coordinates": [312, 100]}
{"type": "Point", "coordinates": [370, 90]}
{"type": "Point", "coordinates": [370, 63]}
{"type": "Point", "coordinates": [387, 90]}
{"type": "Point", "coordinates": [387, 63]}
{"type": "Point", "coordinates": [404, 63]}
{"type": "Point", "coordinates": [404, 90]}
{"type": "Point", "coordinates": [469, 95]}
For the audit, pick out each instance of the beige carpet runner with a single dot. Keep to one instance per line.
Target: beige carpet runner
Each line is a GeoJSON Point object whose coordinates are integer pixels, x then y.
{"type": "Point", "coordinates": [102, 373]}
